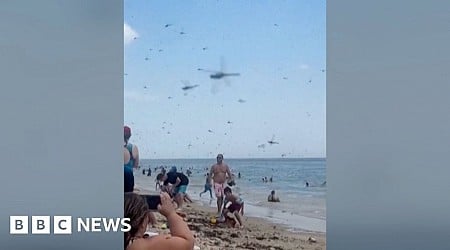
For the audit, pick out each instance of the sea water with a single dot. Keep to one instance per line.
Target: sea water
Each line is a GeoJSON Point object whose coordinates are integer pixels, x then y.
{"type": "Point", "coordinates": [302, 207]}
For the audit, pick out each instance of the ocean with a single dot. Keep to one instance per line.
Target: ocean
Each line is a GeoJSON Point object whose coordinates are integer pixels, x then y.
{"type": "Point", "coordinates": [302, 207]}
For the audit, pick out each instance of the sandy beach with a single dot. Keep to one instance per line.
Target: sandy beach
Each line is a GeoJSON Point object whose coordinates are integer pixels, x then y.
{"type": "Point", "coordinates": [257, 233]}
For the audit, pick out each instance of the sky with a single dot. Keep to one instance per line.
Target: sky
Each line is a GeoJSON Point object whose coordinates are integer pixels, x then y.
{"type": "Point", "coordinates": [277, 47]}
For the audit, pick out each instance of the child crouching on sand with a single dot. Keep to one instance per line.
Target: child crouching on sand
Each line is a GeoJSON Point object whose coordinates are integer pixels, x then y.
{"type": "Point", "coordinates": [235, 210]}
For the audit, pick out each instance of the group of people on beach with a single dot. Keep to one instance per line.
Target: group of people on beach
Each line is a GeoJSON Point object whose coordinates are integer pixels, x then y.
{"type": "Point", "coordinates": [137, 210]}
{"type": "Point", "coordinates": [173, 186]}
{"type": "Point", "coordinates": [264, 179]}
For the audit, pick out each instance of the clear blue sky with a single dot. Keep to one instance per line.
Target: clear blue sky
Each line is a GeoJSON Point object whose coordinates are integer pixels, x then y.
{"type": "Point", "coordinates": [276, 46]}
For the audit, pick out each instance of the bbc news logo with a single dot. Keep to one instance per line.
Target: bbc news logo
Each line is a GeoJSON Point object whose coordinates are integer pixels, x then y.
{"type": "Point", "coordinates": [63, 225]}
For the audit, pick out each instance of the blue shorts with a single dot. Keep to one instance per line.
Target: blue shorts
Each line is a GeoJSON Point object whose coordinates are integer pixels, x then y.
{"type": "Point", "coordinates": [181, 189]}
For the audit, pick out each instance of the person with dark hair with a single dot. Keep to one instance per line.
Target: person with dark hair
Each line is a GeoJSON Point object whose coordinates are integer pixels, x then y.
{"type": "Point", "coordinates": [159, 178]}
{"type": "Point", "coordinates": [208, 186]}
{"type": "Point", "coordinates": [272, 197]}
{"type": "Point", "coordinates": [179, 183]}
{"type": "Point", "coordinates": [136, 209]}
{"type": "Point", "coordinates": [234, 207]}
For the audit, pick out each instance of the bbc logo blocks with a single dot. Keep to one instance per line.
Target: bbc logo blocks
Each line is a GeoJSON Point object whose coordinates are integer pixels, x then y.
{"type": "Point", "coordinates": [62, 224]}
{"type": "Point", "coordinates": [40, 224]}
{"type": "Point", "coordinates": [18, 224]}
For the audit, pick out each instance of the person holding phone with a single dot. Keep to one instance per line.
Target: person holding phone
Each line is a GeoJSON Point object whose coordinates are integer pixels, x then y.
{"type": "Point", "coordinates": [137, 210]}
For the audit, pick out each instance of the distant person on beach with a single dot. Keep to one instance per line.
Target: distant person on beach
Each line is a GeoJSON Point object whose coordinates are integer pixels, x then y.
{"type": "Point", "coordinates": [272, 197]}
{"type": "Point", "coordinates": [271, 178]}
{"type": "Point", "coordinates": [234, 209]}
{"type": "Point", "coordinates": [220, 173]}
{"type": "Point", "coordinates": [239, 175]}
{"type": "Point", "coordinates": [179, 183]}
{"type": "Point", "coordinates": [130, 160]}
{"type": "Point", "coordinates": [306, 184]}
{"type": "Point", "coordinates": [136, 208]}
{"type": "Point", "coordinates": [208, 186]}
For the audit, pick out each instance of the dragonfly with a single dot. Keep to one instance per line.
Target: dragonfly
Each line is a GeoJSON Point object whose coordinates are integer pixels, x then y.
{"type": "Point", "coordinates": [188, 86]}
{"type": "Point", "coordinates": [219, 74]}
{"type": "Point", "coordinates": [272, 141]}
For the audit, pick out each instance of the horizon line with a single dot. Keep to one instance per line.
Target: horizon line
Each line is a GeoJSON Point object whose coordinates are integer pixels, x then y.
{"type": "Point", "coordinates": [238, 158]}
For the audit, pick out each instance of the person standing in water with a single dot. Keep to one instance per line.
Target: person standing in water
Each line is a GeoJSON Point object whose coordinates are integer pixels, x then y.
{"type": "Point", "coordinates": [208, 186]}
{"type": "Point", "coordinates": [220, 173]}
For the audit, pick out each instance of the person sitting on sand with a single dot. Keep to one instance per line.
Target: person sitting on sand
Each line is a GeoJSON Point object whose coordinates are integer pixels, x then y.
{"type": "Point", "coordinates": [208, 186]}
{"type": "Point", "coordinates": [233, 210]}
{"type": "Point", "coordinates": [136, 209]}
{"type": "Point", "coordinates": [272, 197]}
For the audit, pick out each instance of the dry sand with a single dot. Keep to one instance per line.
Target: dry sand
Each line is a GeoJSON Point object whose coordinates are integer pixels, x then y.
{"type": "Point", "coordinates": [256, 234]}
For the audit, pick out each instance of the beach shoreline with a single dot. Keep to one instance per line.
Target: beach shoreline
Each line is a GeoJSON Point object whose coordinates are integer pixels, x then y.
{"type": "Point", "coordinates": [258, 233]}
{"type": "Point", "coordinates": [284, 213]}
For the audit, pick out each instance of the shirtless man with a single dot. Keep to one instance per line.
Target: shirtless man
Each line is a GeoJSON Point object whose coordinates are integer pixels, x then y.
{"type": "Point", "coordinates": [220, 173]}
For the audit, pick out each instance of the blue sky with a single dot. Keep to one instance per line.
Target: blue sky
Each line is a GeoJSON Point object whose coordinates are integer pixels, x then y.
{"type": "Point", "coordinates": [276, 46]}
